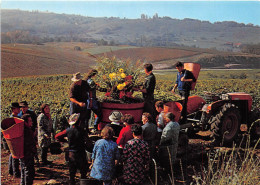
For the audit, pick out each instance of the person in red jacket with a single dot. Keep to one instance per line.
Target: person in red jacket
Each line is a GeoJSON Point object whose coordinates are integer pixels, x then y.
{"type": "Point", "coordinates": [126, 133]}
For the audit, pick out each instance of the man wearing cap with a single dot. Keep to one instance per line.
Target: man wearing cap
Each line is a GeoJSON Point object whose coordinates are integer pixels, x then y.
{"type": "Point", "coordinates": [13, 166]}
{"type": "Point", "coordinates": [78, 96]}
{"type": "Point", "coordinates": [25, 110]}
{"type": "Point", "coordinates": [77, 155]}
{"type": "Point", "coordinates": [15, 107]}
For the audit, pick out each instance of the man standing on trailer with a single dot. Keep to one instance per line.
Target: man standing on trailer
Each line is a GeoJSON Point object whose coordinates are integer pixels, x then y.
{"type": "Point", "coordinates": [78, 95]}
{"type": "Point", "coordinates": [183, 82]}
{"type": "Point", "coordinates": [148, 90]}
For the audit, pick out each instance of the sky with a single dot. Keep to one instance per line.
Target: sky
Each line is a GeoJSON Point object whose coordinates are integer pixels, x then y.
{"type": "Point", "coordinates": [239, 11]}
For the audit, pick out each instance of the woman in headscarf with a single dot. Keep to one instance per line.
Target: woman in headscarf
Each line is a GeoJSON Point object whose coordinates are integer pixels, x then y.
{"type": "Point", "coordinates": [45, 130]}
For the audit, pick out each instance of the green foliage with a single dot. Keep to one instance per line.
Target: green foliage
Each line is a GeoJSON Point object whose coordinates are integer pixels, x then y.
{"type": "Point", "coordinates": [54, 91]}
{"type": "Point", "coordinates": [37, 90]}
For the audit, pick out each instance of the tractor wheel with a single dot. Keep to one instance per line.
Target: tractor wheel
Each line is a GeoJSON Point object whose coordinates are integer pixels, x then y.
{"type": "Point", "coordinates": [225, 125]}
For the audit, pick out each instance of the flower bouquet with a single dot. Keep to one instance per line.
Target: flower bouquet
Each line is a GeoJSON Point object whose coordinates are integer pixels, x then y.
{"type": "Point", "coordinates": [119, 77]}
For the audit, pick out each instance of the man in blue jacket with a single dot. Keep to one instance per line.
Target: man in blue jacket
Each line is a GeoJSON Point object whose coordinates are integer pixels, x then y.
{"type": "Point", "coordinates": [183, 82]}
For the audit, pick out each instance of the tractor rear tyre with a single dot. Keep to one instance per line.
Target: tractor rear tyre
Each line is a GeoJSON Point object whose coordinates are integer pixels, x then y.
{"type": "Point", "coordinates": [225, 125]}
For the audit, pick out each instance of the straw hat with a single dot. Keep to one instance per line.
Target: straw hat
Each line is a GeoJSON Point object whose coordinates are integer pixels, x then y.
{"type": "Point", "coordinates": [115, 116]}
{"type": "Point", "coordinates": [74, 118]}
{"type": "Point", "coordinates": [76, 77]}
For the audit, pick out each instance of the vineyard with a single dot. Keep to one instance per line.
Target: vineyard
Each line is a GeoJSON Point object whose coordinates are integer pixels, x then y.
{"type": "Point", "coordinates": [151, 54]}
{"type": "Point", "coordinates": [54, 90]}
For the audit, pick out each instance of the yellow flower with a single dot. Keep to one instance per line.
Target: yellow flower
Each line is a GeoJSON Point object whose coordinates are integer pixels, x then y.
{"type": "Point", "coordinates": [123, 75]}
{"type": "Point", "coordinates": [121, 70]}
{"type": "Point", "coordinates": [121, 86]}
{"type": "Point", "coordinates": [112, 75]}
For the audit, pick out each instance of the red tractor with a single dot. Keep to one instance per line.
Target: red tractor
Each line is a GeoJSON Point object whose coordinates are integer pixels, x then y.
{"type": "Point", "coordinates": [223, 114]}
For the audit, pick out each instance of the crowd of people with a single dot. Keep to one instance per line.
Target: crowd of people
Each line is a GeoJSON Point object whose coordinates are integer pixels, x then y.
{"type": "Point", "coordinates": [124, 143]}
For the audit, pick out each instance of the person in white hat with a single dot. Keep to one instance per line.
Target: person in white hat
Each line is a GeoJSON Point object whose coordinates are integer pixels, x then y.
{"type": "Point", "coordinates": [77, 144]}
{"type": "Point", "coordinates": [116, 123]}
{"type": "Point", "coordinates": [78, 95]}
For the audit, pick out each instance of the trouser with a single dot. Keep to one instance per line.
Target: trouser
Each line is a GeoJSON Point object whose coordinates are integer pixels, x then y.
{"type": "Point", "coordinates": [13, 166]}
{"type": "Point", "coordinates": [77, 160]}
{"type": "Point", "coordinates": [167, 156]}
{"type": "Point", "coordinates": [27, 170]}
{"type": "Point", "coordinates": [74, 108]}
{"type": "Point", "coordinates": [98, 118]}
{"type": "Point", "coordinates": [44, 151]}
{"type": "Point", "coordinates": [4, 143]}
{"type": "Point", "coordinates": [185, 95]}
{"type": "Point", "coordinates": [149, 106]}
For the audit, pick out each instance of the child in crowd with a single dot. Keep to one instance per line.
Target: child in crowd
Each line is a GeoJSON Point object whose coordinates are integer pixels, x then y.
{"type": "Point", "coordinates": [160, 120]}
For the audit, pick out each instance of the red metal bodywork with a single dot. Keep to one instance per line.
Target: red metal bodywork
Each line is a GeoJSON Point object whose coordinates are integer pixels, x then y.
{"type": "Point", "coordinates": [242, 96]}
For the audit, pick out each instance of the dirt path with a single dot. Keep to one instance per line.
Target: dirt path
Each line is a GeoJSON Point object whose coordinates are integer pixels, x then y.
{"type": "Point", "coordinates": [190, 158]}
{"type": "Point", "coordinates": [58, 171]}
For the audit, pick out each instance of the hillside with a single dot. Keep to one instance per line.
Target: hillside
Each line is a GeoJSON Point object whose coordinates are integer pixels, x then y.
{"type": "Point", "coordinates": [62, 58]}
{"type": "Point", "coordinates": [28, 60]}
{"type": "Point", "coordinates": [159, 31]}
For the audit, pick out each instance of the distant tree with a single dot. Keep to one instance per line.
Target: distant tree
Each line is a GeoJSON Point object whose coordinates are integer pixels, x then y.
{"type": "Point", "coordinates": [155, 16]}
{"type": "Point", "coordinates": [102, 42]}
{"type": "Point", "coordinates": [251, 48]}
{"type": "Point", "coordinates": [17, 35]}
{"type": "Point", "coordinates": [143, 16]}
{"type": "Point", "coordinates": [112, 43]}
{"type": "Point", "coordinates": [5, 39]}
